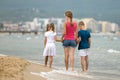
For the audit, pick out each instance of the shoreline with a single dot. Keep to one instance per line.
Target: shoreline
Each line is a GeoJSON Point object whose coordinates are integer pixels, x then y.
{"type": "Point", "coordinates": [15, 68]}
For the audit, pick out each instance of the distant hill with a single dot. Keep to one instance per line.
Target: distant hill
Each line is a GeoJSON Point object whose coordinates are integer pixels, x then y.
{"type": "Point", "coordinates": [22, 10]}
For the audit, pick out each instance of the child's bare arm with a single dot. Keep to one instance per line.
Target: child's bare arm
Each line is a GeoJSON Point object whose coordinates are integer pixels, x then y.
{"type": "Point", "coordinates": [45, 40]}
{"type": "Point", "coordinates": [78, 40]}
{"type": "Point", "coordinates": [89, 40]}
{"type": "Point", "coordinates": [56, 39]}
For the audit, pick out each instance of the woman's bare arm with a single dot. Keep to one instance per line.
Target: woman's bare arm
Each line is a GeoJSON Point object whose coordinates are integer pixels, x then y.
{"type": "Point", "coordinates": [76, 32]}
{"type": "Point", "coordinates": [64, 31]}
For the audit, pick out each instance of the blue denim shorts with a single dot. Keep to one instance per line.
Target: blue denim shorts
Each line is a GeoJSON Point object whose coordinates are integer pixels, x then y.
{"type": "Point", "coordinates": [69, 43]}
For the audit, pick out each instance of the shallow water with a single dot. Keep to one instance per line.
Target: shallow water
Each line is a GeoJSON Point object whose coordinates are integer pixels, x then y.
{"type": "Point", "coordinates": [104, 58]}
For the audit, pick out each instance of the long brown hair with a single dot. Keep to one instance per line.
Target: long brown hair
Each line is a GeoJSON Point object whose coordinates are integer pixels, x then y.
{"type": "Point", "coordinates": [47, 27]}
{"type": "Point", "coordinates": [52, 26]}
{"type": "Point", "coordinates": [70, 15]}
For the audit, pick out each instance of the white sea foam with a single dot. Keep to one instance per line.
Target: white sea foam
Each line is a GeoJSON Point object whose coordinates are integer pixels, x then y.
{"type": "Point", "coordinates": [73, 73]}
{"type": "Point", "coordinates": [2, 55]}
{"type": "Point", "coordinates": [113, 51]}
{"type": "Point", "coordinates": [58, 74]}
{"type": "Point", "coordinates": [35, 62]}
{"type": "Point", "coordinates": [115, 38]}
{"type": "Point", "coordinates": [36, 37]}
{"type": "Point", "coordinates": [28, 38]}
{"type": "Point", "coordinates": [19, 36]}
{"type": "Point", "coordinates": [33, 73]}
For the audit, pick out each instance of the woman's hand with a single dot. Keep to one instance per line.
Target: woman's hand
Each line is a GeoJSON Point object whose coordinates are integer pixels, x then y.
{"type": "Point", "coordinates": [62, 39]}
{"type": "Point", "coordinates": [78, 40]}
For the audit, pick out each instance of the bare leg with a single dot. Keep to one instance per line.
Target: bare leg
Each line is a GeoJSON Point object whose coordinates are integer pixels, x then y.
{"type": "Point", "coordinates": [72, 57]}
{"type": "Point", "coordinates": [46, 60]}
{"type": "Point", "coordinates": [51, 60]}
{"type": "Point", "coordinates": [87, 62]}
{"type": "Point", "coordinates": [82, 62]}
{"type": "Point", "coordinates": [66, 53]}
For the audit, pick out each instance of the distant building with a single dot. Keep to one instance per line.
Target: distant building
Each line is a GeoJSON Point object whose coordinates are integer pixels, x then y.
{"type": "Point", "coordinates": [109, 27]}
{"type": "Point", "coordinates": [10, 26]}
{"type": "Point", "coordinates": [114, 27]}
{"type": "Point", "coordinates": [42, 22]}
{"type": "Point", "coordinates": [92, 24]}
{"type": "Point", "coordinates": [39, 24]}
{"type": "Point", "coordinates": [100, 26]}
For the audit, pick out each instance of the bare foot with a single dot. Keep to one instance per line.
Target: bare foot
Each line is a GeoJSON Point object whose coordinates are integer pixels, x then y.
{"type": "Point", "coordinates": [82, 72]}
{"type": "Point", "coordinates": [86, 72]}
{"type": "Point", "coordinates": [50, 67]}
{"type": "Point", "coordinates": [45, 65]}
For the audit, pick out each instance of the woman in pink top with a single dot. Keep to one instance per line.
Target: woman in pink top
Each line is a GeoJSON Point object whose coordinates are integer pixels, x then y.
{"type": "Point", "coordinates": [69, 39]}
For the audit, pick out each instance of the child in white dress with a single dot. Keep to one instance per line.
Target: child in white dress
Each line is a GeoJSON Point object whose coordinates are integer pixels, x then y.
{"type": "Point", "coordinates": [49, 45]}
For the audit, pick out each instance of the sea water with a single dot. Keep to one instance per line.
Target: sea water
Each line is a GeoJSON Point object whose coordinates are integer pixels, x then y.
{"type": "Point", "coordinates": [104, 60]}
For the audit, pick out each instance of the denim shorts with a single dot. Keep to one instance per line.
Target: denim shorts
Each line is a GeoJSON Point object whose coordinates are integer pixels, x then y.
{"type": "Point", "coordinates": [69, 43]}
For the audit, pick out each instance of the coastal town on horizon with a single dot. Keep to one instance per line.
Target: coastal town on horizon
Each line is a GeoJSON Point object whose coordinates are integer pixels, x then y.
{"type": "Point", "coordinates": [39, 25]}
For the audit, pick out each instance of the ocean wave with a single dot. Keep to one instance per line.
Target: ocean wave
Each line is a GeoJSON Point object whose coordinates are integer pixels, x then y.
{"type": "Point", "coordinates": [36, 37]}
{"type": "Point", "coordinates": [113, 51]}
{"type": "Point", "coordinates": [28, 38]}
{"type": "Point", "coordinates": [64, 75]}
{"type": "Point", "coordinates": [2, 55]}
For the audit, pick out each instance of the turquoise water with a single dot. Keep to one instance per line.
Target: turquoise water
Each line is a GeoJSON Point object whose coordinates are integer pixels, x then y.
{"type": "Point", "coordinates": [104, 58]}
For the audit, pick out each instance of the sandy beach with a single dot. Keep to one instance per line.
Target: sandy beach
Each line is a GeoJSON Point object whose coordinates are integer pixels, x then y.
{"type": "Point", "coordinates": [13, 68]}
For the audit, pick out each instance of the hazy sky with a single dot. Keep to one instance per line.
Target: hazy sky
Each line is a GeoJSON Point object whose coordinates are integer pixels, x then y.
{"type": "Point", "coordinates": [98, 9]}
{"type": "Point", "coordinates": [84, 5]}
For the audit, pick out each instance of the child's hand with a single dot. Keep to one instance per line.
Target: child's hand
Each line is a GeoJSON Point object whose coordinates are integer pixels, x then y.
{"type": "Point", "coordinates": [77, 40]}
{"type": "Point", "coordinates": [62, 40]}
{"type": "Point", "coordinates": [44, 46]}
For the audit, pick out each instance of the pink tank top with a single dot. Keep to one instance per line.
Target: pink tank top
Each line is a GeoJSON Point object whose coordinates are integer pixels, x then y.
{"type": "Point", "coordinates": [70, 30]}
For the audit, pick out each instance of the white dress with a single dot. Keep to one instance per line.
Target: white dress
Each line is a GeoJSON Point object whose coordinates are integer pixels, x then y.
{"type": "Point", "coordinates": [50, 49]}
